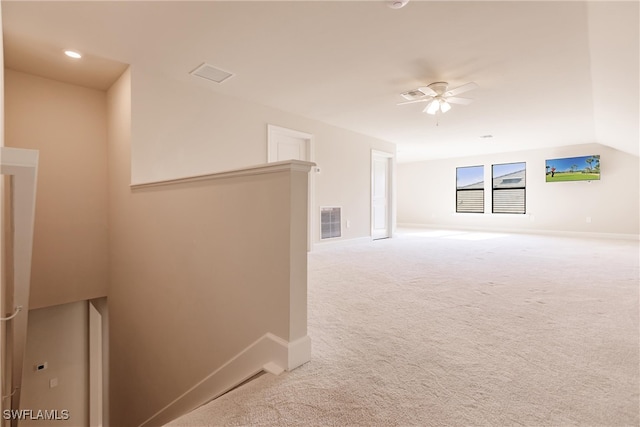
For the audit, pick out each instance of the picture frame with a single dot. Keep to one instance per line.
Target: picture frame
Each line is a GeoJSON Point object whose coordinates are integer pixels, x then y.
{"type": "Point", "coordinates": [567, 169]}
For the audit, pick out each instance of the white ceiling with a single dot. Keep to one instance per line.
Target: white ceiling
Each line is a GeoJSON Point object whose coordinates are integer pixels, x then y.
{"type": "Point", "coordinates": [549, 73]}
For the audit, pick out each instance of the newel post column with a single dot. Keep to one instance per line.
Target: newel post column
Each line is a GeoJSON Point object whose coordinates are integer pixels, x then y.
{"type": "Point", "coordinates": [299, 341]}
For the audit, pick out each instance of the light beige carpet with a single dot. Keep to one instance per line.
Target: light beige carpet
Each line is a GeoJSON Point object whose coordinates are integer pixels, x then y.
{"type": "Point", "coordinates": [443, 328]}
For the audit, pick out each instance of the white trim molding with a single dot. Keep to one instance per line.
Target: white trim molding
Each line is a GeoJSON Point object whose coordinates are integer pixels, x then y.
{"type": "Point", "coordinates": [562, 233]}
{"type": "Point", "coordinates": [298, 352]}
{"type": "Point", "coordinates": [268, 353]}
{"type": "Point", "coordinates": [288, 165]}
{"type": "Point", "coordinates": [337, 243]}
{"type": "Point", "coordinates": [391, 191]}
{"type": "Point", "coordinates": [273, 130]}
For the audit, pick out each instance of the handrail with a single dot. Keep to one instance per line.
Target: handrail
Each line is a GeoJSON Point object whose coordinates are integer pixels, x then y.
{"type": "Point", "coordinates": [15, 313]}
{"type": "Point", "coordinates": [9, 395]}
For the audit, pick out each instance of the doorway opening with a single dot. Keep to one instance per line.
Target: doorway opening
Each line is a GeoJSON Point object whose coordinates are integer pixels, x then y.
{"type": "Point", "coordinates": [381, 195]}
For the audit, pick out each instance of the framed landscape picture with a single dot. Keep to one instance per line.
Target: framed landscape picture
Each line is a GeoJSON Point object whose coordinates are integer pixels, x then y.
{"type": "Point", "coordinates": [585, 168]}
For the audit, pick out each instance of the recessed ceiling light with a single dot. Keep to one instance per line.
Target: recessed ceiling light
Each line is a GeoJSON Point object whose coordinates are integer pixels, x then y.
{"type": "Point", "coordinates": [397, 4]}
{"type": "Point", "coordinates": [486, 136]}
{"type": "Point", "coordinates": [72, 54]}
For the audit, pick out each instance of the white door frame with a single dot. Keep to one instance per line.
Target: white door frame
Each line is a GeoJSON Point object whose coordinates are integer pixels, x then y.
{"type": "Point", "coordinates": [391, 220]}
{"type": "Point", "coordinates": [273, 130]}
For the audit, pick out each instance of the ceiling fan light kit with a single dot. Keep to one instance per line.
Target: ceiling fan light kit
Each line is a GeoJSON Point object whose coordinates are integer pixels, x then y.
{"type": "Point", "coordinates": [438, 96]}
{"type": "Point", "coordinates": [432, 107]}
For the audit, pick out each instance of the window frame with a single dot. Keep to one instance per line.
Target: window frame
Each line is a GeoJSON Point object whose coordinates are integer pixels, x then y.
{"type": "Point", "coordinates": [462, 189]}
{"type": "Point", "coordinates": [510, 188]}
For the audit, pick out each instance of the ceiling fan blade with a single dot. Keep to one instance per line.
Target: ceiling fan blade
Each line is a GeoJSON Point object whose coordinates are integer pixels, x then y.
{"type": "Point", "coordinates": [455, 100]}
{"type": "Point", "coordinates": [425, 99]}
{"type": "Point", "coordinates": [460, 89]}
{"type": "Point", "coordinates": [427, 91]}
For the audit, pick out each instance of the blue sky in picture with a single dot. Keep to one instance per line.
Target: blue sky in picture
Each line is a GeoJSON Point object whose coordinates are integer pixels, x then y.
{"type": "Point", "coordinates": [563, 165]}
{"type": "Point", "coordinates": [507, 168]}
{"type": "Point", "coordinates": [469, 175]}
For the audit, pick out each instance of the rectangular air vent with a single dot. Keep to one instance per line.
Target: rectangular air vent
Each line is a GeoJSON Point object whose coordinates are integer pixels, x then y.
{"type": "Point", "coordinates": [330, 222]}
{"type": "Point", "coordinates": [211, 73]}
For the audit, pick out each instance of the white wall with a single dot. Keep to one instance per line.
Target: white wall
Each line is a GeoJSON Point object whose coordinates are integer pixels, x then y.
{"type": "Point", "coordinates": [59, 336]}
{"type": "Point", "coordinates": [427, 194]}
{"type": "Point", "coordinates": [614, 66]}
{"type": "Point", "coordinates": [182, 129]}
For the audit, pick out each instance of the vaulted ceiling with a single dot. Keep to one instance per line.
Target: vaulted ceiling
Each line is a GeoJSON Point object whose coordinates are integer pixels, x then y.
{"type": "Point", "coordinates": [549, 73]}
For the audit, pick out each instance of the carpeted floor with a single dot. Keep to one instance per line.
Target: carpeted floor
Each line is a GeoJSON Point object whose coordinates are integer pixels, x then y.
{"type": "Point", "coordinates": [444, 328]}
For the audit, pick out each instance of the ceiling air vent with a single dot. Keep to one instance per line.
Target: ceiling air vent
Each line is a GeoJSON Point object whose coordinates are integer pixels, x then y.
{"type": "Point", "coordinates": [212, 73]}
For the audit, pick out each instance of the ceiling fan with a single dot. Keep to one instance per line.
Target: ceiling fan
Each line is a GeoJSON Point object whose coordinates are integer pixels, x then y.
{"type": "Point", "coordinates": [438, 96]}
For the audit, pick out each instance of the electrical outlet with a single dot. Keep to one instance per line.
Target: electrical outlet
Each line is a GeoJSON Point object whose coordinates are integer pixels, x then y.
{"type": "Point", "coordinates": [53, 382]}
{"type": "Point", "coordinates": [588, 220]}
{"type": "Point", "coordinates": [348, 224]}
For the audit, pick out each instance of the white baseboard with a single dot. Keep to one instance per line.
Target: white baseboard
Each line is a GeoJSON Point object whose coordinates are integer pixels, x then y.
{"type": "Point", "coordinates": [269, 353]}
{"type": "Point", "coordinates": [562, 233]}
{"type": "Point", "coordinates": [299, 352]}
{"type": "Point", "coordinates": [332, 243]}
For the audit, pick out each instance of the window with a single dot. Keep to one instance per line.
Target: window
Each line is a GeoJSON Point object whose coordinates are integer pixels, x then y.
{"type": "Point", "coordinates": [509, 182]}
{"type": "Point", "coordinates": [470, 189]}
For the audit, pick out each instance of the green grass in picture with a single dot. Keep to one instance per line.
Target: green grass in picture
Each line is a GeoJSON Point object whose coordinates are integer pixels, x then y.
{"type": "Point", "coordinates": [572, 176]}
{"type": "Point", "coordinates": [584, 168]}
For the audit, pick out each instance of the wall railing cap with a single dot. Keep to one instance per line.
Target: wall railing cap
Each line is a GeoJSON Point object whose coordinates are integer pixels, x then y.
{"type": "Point", "coordinates": [11, 157]}
{"type": "Point", "coordinates": [275, 167]}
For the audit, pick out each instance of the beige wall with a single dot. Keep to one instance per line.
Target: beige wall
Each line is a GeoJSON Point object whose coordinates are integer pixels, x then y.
{"type": "Point", "coordinates": [67, 124]}
{"type": "Point", "coordinates": [4, 383]}
{"type": "Point", "coordinates": [199, 271]}
{"type": "Point", "coordinates": [184, 128]}
{"type": "Point", "coordinates": [427, 194]}
{"type": "Point", "coordinates": [57, 335]}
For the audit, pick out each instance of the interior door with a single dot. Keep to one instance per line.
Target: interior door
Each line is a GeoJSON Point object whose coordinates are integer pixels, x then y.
{"type": "Point", "coordinates": [287, 147]}
{"type": "Point", "coordinates": [380, 190]}
{"type": "Point", "coordinates": [288, 144]}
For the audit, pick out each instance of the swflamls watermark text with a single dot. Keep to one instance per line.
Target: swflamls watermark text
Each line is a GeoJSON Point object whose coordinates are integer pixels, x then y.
{"type": "Point", "coordinates": [36, 414]}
